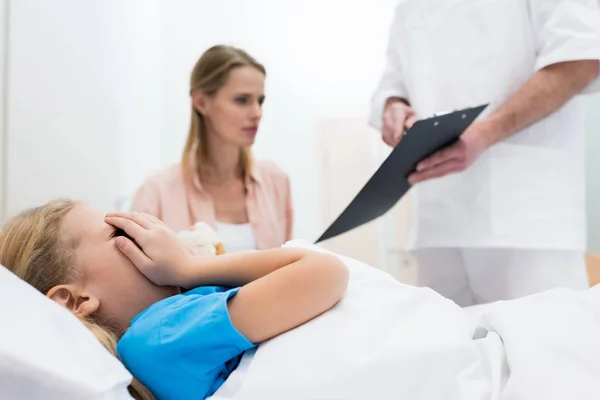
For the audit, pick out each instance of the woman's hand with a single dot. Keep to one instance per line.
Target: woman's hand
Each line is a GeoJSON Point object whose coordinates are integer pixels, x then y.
{"type": "Point", "coordinates": [156, 252]}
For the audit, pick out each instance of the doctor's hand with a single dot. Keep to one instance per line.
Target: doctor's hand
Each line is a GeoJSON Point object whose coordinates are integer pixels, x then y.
{"type": "Point", "coordinates": [152, 247]}
{"type": "Point", "coordinates": [397, 117]}
{"type": "Point", "coordinates": [454, 158]}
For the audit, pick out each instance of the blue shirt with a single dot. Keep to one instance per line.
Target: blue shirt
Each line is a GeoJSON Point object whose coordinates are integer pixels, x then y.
{"type": "Point", "coordinates": [184, 347]}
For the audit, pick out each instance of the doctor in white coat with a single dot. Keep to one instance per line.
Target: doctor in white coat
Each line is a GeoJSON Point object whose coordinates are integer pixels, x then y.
{"type": "Point", "coordinates": [500, 214]}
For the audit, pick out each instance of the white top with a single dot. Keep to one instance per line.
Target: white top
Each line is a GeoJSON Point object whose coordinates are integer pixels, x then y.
{"type": "Point", "coordinates": [529, 190]}
{"type": "Point", "coordinates": [236, 237]}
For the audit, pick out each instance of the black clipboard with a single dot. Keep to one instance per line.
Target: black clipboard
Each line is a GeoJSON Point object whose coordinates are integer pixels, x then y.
{"type": "Point", "coordinates": [390, 182]}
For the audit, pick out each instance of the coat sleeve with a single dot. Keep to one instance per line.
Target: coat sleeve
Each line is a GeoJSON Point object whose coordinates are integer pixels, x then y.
{"type": "Point", "coordinates": [566, 30]}
{"type": "Point", "coordinates": [392, 82]}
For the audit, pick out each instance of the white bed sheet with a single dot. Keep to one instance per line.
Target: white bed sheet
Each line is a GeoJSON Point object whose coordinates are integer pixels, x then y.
{"type": "Point", "coordinates": [552, 344]}
{"type": "Point", "coordinates": [543, 346]}
{"type": "Point", "coordinates": [418, 346]}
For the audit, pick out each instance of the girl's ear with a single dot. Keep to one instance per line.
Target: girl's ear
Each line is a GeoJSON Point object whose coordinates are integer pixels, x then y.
{"type": "Point", "coordinates": [200, 102]}
{"type": "Point", "coordinates": [68, 296]}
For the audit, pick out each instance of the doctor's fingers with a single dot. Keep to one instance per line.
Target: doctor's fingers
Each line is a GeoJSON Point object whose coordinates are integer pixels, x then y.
{"type": "Point", "coordinates": [455, 151]}
{"type": "Point", "coordinates": [396, 116]}
{"type": "Point", "coordinates": [410, 121]}
{"type": "Point", "coordinates": [438, 171]}
{"type": "Point", "coordinates": [396, 128]}
{"type": "Point", "coordinates": [387, 134]}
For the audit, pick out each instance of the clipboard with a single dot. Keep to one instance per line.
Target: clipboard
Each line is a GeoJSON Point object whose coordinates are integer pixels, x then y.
{"type": "Point", "coordinates": [390, 182]}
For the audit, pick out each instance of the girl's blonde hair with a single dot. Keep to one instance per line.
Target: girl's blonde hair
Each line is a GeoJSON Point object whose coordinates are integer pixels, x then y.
{"type": "Point", "coordinates": [208, 76]}
{"type": "Point", "coordinates": [33, 248]}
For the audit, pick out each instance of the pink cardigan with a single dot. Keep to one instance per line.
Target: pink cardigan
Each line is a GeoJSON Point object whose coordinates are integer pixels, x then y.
{"type": "Point", "coordinates": [179, 201]}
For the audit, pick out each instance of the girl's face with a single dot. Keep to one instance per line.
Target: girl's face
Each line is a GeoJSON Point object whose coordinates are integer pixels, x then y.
{"type": "Point", "coordinates": [234, 112]}
{"type": "Point", "coordinates": [105, 281]}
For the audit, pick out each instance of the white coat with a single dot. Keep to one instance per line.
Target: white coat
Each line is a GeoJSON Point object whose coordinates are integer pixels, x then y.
{"type": "Point", "coordinates": [529, 190]}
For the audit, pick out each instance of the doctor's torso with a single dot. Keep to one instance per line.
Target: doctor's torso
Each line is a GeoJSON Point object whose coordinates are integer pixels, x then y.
{"type": "Point", "coordinates": [527, 191]}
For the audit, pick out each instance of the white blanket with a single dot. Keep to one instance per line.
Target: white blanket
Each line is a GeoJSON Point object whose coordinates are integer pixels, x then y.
{"type": "Point", "coordinates": [386, 340]}
{"type": "Point", "coordinates": [552, 344]}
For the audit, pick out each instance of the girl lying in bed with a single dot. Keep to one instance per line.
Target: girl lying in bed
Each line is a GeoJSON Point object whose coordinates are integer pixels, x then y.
{"type": "Point", "coordinates": [182, 323]}
{"type": "Point", "coordinates": [319, 326]}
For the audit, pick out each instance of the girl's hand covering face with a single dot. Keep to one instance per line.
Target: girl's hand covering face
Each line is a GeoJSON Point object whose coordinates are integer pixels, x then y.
{"type": "Point", "coordinates": [152, 247]}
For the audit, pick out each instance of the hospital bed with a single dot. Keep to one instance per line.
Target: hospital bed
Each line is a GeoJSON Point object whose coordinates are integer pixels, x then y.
{"type": "Point", "coordinates": [47, 354]}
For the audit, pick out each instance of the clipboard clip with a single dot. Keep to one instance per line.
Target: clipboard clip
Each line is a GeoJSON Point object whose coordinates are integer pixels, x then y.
{"type": "Point", "coordinates": [440, 113]}
{"type": "Point", "coordinates": [435, 115]}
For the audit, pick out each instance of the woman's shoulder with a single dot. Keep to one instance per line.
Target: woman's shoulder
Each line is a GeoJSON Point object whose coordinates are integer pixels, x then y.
{"type": "Point", "coordinates": [270, 171]}
{"type": "Point", "coordinates": [165, 177]}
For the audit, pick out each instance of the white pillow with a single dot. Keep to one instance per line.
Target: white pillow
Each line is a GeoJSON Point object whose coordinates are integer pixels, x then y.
{"type": "Point", "coordinates": [46, 353]}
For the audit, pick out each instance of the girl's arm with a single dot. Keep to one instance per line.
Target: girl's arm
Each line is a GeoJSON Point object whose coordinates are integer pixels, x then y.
{"type": "Point", "coordinates": [281, 288]}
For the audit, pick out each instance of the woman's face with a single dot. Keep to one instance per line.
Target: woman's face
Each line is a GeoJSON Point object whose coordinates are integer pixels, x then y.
{"type": "Point", "coordinates": [103, 273]}
{"type": "Point", "coordinates": [232, 115]}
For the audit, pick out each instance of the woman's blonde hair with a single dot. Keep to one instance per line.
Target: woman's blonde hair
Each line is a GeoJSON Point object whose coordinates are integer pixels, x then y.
{"type": "Point", "coordinates": [208, 76]}
{"type": "Point", "coordinates": [33, 248]}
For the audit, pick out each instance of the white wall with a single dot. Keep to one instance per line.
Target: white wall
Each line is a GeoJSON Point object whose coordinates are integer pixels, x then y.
{"type": "Point", "coordinates": [142, 102]}
{"type": "Point", "coordinates": [3, 58]}
{"type": "Point", "coordinates": [84, 100]}
{"type": "Point", "coordinates": [66, 88]}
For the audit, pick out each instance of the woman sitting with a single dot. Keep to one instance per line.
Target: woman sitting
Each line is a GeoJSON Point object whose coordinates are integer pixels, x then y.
{"type": "Point", "coordinates": [248, 202]}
